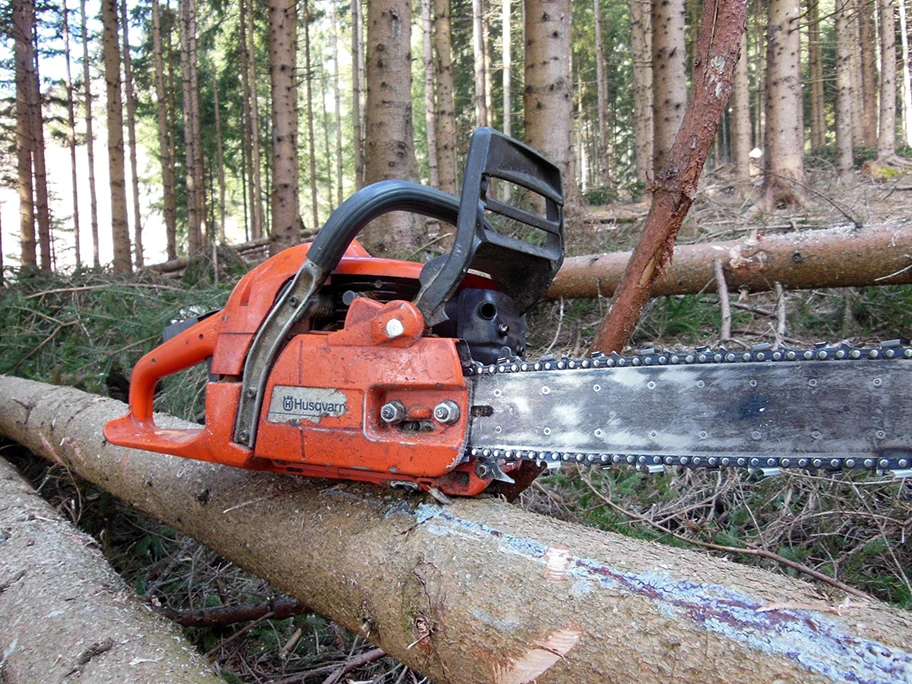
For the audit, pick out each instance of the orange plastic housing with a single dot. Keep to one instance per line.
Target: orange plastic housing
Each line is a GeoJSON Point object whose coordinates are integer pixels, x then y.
{"type": "Point", "coordinates": [342, 378]}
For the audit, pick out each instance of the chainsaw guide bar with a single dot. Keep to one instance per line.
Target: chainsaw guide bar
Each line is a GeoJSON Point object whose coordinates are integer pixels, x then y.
{"type": "Point", "coordinates": [707, 408]}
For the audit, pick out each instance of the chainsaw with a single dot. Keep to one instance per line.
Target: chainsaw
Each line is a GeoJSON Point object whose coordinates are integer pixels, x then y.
{"type": "Point", "coordinates": [326, 362]}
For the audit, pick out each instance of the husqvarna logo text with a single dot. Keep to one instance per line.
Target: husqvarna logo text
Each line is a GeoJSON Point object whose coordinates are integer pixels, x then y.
{"type": "Point", "coordinates": [292, 404]}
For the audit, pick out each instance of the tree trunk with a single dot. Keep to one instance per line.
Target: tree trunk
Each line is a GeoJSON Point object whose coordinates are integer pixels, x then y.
{"type": "Point", "coordinates": [23, 18]}
{"type": "Point", "coordinates": [548, 95]}
{"type": "Point", "coordinates": [602, 78]}
{"type": "Point", "coordinates": [815, 69]}
{"type": "Point", "coordinates": [886, 134]}
{"type": "Point", "coordinates": [407, 573]}
{"type": "Point", "coordinates": [430, 101]}
{"type": "Point", "coordinates": [164, 135]}
{"type": "Point", "coordinates": [866, 46]}
{"type": "Point", "coordinates": [90, 135]}
{"type": "Point", "coordinates": [251, 228]}
{"type": "Point", "coordinates": [845, 43]}
{"type": "Point", "coordinates": [337, 99]}
{"type": "Point", "coordinates": [740, 119]}
{"type": "Point", "coordinates": [131, 132]}
{"type": "Point", "coordinates": [256, 183]}
{"type": "Point", "coordinates": [120, 228]}
{"type": "Point", "coordinates": [327, 154]}
{"type": "Point", "coordinates": [583, 174]}
{"type": "Point", "coordinates": [488, 63]}
{"type": "Point", "coordinates": [71, 131]}
{"type": "Point", "coordinates": [357, 119]}
{"type": "Point", "coordinates": [39, 167]}
{"type": "Point", "coordinates": [219, 154]}
{"type": "Point", "coordinates": [784, 150]}
{"type": "Point", "coordinates": [760, 73]}
{"type": "Point", "coordinates": [859, 107]}
{"type": "Point", "coordinates": [311, 143]}
{"type": "Point", "coordinates": [283, 50]}
{"type": "Point", "coordinates": [906, 76]}
{"type": "Point", "coordinates": [481, 110]}
{"type": "Point", "coordinates": [62, 606]}
{"type": "Point", "coordinates": [192, 133]}
{"type": "Point", "coordinates": [835, 257]}
{"type": "Point", "coordinates": [641, 55]}
{"type": "Point", "coordinates": [446, 107]}
{"type": "Point", "coordinates": [506, 11]}
{"type": "Point", "coordinates": [389, 143]}
{"type": "Point", "coordinates": [669, 78]}
{"type": "Point", "coordinates": [719, 42]}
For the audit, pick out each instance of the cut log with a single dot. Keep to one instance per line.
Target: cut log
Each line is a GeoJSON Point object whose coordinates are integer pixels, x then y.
{"type": "Point", "coordinates": [834, 257]}
{"type": "Point", "coordinates": [65, 615]}
{"type": "Point", "coordinates": [479, 591]}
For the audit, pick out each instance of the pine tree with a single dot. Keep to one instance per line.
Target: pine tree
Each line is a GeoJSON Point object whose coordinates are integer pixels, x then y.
{"type": "Point", "coordinates": [283, 48]}
{"type": "Point", "coordinates": [120, 230]}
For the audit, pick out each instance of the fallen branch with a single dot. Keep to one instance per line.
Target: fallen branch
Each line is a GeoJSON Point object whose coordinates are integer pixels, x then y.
{"type": "Point", "coordinates": [221, 616]}
{"type": "Point", "coordinates": [761, 553]}
{"type": "Point", "coordinates": [482, 590]}
{"type": "Point", "coordinates": [354, 662]}
{"type": "Point", "coordinates": [64, 613]}
{"type": "Point", "coordinates": [835, 257]}
{"type": "Point", "coordinates": [718, 47]}
{"type": "Point", "coordinates": [724, 305]}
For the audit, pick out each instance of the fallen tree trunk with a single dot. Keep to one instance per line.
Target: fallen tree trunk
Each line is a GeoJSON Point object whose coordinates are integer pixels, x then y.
{"type": "Point", "coordinates": [834, 257]}
{"type": "Point", "coordinates": [479, 591]}
{"type": "Point", "coordinates": [66, 615]}
{"type": "Point", "coordinates": [252, 251]}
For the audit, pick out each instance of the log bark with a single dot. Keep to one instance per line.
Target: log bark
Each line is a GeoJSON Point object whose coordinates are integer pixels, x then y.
{"type": "Point", "coordinates": [65, 614]}
{"type": "Point", "coordinates": [479, 590]}
{"type": "Point", "coordinates": [835, 257]}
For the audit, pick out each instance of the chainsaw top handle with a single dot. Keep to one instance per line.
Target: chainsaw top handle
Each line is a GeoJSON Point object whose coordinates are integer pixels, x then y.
{"type": "Point", "coordinates": [520, 269]}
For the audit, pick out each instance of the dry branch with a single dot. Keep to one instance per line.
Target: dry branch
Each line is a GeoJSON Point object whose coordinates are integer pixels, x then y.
{"type": "Point", "coordinates": [221, 616]}
{"type": "Point", "coordinates": [718, 46]}
{"type": "Point", "coordinates": [835, 257]}
{"type": "Point", "coordinates": [66, 615]}
{"type": "Point", "coordinates": [481, 590]}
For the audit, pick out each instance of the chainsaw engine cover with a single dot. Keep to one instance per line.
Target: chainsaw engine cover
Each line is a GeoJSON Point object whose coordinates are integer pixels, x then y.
{"type": "Point", "coordinates": [326, 393]}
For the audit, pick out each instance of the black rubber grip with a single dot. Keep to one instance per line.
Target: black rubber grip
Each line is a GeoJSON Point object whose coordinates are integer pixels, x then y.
{"type": "Point", "coordinates": [369, 203]}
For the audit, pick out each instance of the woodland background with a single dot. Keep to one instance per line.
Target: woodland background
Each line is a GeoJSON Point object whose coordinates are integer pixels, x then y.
{"type": "Point", "coordinates": [259, 118]}
{"type": "Point", "coordinates": [208, 137]}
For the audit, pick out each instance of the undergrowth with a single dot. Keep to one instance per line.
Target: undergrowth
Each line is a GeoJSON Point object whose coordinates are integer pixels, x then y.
{"type": "Point", "coordinates": [88, 330]}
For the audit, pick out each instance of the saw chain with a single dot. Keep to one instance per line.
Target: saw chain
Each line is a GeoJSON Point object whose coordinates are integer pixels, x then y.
{"type": "Point", "coordinates": [827, 408]}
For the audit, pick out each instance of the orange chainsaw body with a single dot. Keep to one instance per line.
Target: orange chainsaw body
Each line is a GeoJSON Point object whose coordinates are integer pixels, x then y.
{"type": "Point", "coordinates": [355, 370]}
{"type": "Point", "coordinates": [326, 362]}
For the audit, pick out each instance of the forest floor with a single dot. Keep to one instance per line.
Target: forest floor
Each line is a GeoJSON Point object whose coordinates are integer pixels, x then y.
{"type": "Point", "coordinates": [850, 527]}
